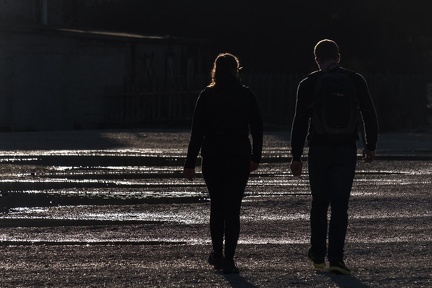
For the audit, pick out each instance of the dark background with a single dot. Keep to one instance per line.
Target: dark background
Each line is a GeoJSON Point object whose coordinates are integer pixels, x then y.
{"type": "Point", "coordinates": [375, 36]}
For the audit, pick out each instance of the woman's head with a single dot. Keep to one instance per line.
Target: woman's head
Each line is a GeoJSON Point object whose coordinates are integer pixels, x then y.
{"type": "Point", "coordinates": [225, 69]}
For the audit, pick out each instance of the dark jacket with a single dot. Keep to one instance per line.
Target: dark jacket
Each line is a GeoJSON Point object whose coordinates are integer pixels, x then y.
{"type": "Point", "coordinates": [301, 130]}
{"type": "Point", "coordinates": [223, 119]}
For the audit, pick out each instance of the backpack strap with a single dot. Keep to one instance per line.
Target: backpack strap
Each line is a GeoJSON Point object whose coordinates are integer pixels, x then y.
{"type": "Point", "coordinates": [319, 105]}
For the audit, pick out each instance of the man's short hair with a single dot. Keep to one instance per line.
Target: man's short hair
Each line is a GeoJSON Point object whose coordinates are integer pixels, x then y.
{"type": "Point", "coordinates": [326, 49]}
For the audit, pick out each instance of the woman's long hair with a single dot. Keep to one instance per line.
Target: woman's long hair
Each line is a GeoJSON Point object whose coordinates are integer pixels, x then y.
{"type": "Point", "coordinates": [225, 70]}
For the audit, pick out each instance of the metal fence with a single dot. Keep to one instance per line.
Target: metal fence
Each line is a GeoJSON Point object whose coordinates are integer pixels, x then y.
{"type": "Point", "coordinates": [157, 107]}
{"type": "Point", "coordinates": [401, 101]}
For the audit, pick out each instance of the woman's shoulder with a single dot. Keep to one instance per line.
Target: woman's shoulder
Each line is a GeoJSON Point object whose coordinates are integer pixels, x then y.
{"type": "Point", "coordinates": [208, 90]}
{"type": "Point", "coordinates": [247, 90]}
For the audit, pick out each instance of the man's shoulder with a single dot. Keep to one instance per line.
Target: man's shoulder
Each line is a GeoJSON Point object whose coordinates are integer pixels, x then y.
{"type": "Point", "coordinates": [351, 73]}
{"type": "Point", "coordinates": [310, 77]}
{"type": "Point", "coordinates": [313, 74]}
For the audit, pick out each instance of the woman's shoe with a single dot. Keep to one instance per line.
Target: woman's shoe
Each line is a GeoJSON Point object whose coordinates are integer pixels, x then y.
{"type": "Point", "coordinates": [229, 267]}
{"type": "Point", "coordinates": [216, 261]}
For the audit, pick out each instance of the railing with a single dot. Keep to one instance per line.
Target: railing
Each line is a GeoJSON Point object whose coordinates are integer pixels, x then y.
{"type": "Point", "coordinates": [133, 109]}
{"type": "Point", "coordinates": [400, 101]}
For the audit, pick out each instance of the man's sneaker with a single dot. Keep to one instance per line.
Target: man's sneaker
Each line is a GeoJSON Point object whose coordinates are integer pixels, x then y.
{"type": "Point", "coordinates": [339, 267]}
{"type": "Point", "coordinates": [216, 261]}
{"type": "Point", "coordinates": [229, 267]}
{"type": "Point", "coordinates": [318, 263]}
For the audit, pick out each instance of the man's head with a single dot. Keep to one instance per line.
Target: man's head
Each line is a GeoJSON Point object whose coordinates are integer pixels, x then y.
{"type": "Point", "coordinates": [326, 51]}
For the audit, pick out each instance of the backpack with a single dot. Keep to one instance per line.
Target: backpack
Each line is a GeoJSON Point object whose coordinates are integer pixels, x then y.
{"type": "Point", "coordinates": [335, 106]}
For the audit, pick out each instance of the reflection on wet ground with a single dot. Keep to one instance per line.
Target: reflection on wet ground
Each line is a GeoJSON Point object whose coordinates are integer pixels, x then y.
{"type": "Point", "coordinates": [52, 190]}
{"type": "Point", "coordinates": [149, 174]}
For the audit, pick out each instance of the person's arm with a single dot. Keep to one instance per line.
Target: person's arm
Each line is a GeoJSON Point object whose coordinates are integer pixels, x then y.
{"type": "Point", "coordinates": [256, 129]}
{"type": "Point", "coordinates": [296, 167]}
{"type": "Point", "coordinates": [299, 128]}
{"type": "Point", "coordinates": [196, 138]}
{"type": "Point", "coordinates": [369, 118]}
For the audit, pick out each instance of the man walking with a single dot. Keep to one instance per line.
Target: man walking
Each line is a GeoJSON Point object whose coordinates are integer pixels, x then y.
{"type": "Point", "coordinates": [331, 104]}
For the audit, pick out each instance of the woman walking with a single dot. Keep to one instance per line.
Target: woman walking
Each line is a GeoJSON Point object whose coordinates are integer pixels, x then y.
{"type": "Point", "coordinates": [226, 114]}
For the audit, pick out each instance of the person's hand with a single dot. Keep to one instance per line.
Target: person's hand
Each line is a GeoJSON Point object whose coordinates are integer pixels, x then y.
{"type": "Point", "coordinates": [296, 168]}
{"type": "Point", "coordinates": [253, 166]}
{"type": "Point", "coordinates": [368, 156]}
{"type": "Point", "coordinates": [189, 173]}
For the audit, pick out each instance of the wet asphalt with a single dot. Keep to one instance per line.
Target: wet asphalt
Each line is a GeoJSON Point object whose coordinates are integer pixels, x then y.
{"type": "Point", "coordinates": [111, 208]}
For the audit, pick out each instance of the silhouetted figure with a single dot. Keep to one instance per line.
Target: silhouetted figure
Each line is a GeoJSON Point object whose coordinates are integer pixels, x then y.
{"type": "Point", "coordinates": [226, 113]}
{"type": "Point", "coordinates": [331, 104]}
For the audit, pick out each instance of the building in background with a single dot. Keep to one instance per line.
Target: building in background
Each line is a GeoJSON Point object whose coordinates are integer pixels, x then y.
{"type": "Point", "coordinates": [54, 76]}
{"type": "Point", "coordinates": [57, 72]}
